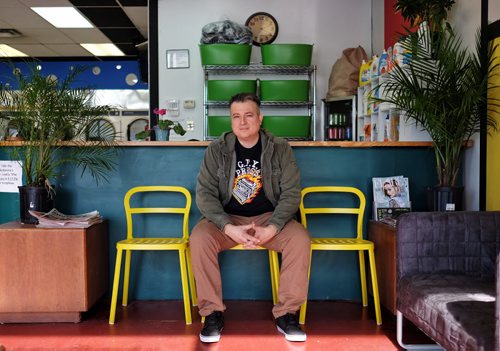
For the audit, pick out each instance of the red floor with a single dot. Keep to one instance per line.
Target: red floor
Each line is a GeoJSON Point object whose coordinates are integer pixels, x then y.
{"type": "Point", "coordinates": [159, 325]}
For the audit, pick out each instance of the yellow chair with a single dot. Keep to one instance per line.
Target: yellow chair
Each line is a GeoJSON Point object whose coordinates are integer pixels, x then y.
{"type": "Point", "coordinates": [179, 243]}
{"type": "Point", "coordinates": [273, 267]}
{"type": "Point", "coordinates": [351, 243]}
{"type": "Point", "coordinates": [274, 271]}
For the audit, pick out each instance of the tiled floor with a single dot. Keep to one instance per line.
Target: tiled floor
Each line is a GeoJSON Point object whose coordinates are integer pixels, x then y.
{"type": "Point", "coordinates": [159, 325]}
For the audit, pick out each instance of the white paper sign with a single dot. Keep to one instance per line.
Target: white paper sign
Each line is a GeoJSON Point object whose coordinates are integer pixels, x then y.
{"type": "Point", "coordinates": [11, 176]}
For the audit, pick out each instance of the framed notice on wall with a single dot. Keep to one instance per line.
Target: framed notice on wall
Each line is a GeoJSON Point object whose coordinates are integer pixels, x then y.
{"type": "Point", "coordinates": [178, 58]}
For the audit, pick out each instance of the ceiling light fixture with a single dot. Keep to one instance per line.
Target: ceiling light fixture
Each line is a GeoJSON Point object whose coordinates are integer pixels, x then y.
{"type": "Point", "coordinates": [63, 17]}
{"type": "Point", "coordinates": [103, 49]}
{"type": "Point", "coordinates": [9, 51]}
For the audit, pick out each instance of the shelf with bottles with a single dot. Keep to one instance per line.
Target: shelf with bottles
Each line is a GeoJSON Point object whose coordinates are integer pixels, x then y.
{"type": "Point", "coordinates": [340, 118]}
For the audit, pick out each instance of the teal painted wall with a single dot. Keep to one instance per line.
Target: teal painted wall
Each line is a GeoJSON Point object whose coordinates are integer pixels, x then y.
{"type": "Point", "coordinates": [245, 275]}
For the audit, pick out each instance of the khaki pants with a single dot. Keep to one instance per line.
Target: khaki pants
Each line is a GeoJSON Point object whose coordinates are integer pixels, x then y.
{"type": "Point", "coordinates": [293, 241]}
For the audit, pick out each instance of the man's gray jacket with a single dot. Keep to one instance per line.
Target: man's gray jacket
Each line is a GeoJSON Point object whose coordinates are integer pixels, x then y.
{"type": "Point", "coordinates": [280, 179]}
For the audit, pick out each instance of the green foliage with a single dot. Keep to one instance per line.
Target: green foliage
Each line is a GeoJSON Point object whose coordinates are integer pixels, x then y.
{"type": "Point", "coordinates": [47, 111]}
{"type": "Point", "coordinates": [434, 12]}
{"type": "Point", "coordinates": [165, 124]}
{"type": "Point", "coordinates": [444, 91]}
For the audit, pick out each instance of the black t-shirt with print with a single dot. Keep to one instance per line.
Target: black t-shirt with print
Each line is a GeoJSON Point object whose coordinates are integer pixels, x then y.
{"type": "Point", "coordinates": [248, 198]}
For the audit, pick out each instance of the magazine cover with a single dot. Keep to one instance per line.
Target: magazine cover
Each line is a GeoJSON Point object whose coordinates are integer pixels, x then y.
{"type": "Point", "coordinates": [390, 215]}
{"type": "Point", "coordinates": [391, 192]}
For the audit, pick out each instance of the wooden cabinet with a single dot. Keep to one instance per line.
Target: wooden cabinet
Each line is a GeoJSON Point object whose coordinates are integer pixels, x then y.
{"type": "Point", "coordinates": [384, 238]}
{"type": "Point", "coordinates": [51, 274]}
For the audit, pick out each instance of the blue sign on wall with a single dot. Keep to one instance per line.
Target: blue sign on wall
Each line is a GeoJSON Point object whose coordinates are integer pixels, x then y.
{"type": "Point", "coordinates": [98, 74]}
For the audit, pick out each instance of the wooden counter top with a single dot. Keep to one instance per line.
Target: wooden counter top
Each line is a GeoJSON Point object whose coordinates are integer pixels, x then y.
{"type": "Point", "coordinates": [345, 144]}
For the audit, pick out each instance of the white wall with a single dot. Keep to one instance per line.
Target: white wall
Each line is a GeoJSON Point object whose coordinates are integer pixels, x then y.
{"type": "Point", "coordinates": [465, 17]}
{"type": "Point", "coordinates": [331, 25]}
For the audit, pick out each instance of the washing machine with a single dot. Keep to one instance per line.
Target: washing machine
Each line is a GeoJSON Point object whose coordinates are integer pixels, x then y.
{"type": "Point", "coordinates": [133, 122]}
{"type": "Point", "coordinates": [107, 127]}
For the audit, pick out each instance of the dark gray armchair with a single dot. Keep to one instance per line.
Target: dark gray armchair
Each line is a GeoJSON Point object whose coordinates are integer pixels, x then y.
{"type": "Point", "coordinates": [447, 265]}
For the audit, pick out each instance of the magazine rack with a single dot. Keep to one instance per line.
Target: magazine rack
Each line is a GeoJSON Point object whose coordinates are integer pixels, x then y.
{"type": "Point", "coordinates": [51, 274]}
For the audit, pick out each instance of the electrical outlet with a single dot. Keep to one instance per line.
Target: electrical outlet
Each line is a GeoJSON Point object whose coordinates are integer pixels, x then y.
{"type": "Point", "coordinates": [190, 126]}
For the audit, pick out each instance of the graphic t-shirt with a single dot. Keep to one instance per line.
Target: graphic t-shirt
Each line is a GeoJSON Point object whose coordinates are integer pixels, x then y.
{"type": "Point", "coordinates": [248, 198]}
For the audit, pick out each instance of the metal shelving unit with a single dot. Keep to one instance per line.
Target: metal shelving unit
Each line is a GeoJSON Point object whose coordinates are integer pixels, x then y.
{"type": "Point", "coordinates": [257, 71]}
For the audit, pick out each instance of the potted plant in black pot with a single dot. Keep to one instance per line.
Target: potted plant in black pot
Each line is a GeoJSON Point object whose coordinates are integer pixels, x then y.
{"type": "Point", "coordinates": [46, 112]}
{"type": "Point", "coordinates": [443, 90]}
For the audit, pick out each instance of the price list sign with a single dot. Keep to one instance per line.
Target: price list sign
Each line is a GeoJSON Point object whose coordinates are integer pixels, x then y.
{"type": "Point", "coordinates": [11, 176]}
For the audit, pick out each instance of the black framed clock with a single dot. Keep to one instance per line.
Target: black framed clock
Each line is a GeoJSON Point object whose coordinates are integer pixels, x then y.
{"type": "Point", "coordinates": [264, 28]}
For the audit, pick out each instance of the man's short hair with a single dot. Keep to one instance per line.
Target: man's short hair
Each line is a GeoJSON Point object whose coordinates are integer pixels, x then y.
{"type": "Point", "coordinates": [243, 97]}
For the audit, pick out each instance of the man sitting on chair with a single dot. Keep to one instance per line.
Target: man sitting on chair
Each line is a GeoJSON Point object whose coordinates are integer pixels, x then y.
{"type": "Point", "coordinates": [248, 191]}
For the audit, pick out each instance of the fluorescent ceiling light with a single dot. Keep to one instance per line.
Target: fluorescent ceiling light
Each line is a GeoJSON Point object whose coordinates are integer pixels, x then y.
{"type": "Point", "coordinates": [103, 49]}
{"type": "Point", "coordinates": [8, 51]}
{"type": "Point", "coordinates": [63, 17]}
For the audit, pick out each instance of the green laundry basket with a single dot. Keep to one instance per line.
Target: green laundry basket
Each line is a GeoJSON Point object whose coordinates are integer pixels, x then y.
{"type": "Point", "coordinates": [218, 125]}
{"type": "Point", "coordinates": [288, 126]}
{"type": "Point", "coordinates": [286, 54]}
{"type": "Point", "coordinates": [225, 54]}
{"type": "Point", "coordinates": [223, 90]}
{"type": "Point", "coordinates": [284, 90]}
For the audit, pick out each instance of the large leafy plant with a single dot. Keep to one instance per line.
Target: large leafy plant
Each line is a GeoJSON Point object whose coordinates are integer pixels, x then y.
{"type": "Point", "coordinates": [444, 91]}
{"type": "Point", "coordinates": [47, 111]}
{"type": "Point", "coordinates": [433, 12]}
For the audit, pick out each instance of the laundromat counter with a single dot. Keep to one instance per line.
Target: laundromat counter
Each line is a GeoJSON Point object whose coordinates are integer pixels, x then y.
{"type": "Point", "coordinates": [349, 144]}
{"type": "Point", "coordinates": [245, 274]}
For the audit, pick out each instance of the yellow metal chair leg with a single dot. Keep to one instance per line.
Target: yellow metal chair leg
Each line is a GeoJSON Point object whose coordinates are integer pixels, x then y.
{"type": "Point", "coordinates": [362, 277]}
{"type": "Point", "coordinates": [303, 308]}
{"type": "Point", "coordinates": [274, 271]}
{"type": "Point", "coordinates": [376, 297]}
{"type": "Point", "coordinates": [192, 285]}
{"type": "Point", "coordinates": [185, 286]}
{"type": "Point", "coordinates": [126, 277]}
{"type": "Point", "coordinates": [116, 283]}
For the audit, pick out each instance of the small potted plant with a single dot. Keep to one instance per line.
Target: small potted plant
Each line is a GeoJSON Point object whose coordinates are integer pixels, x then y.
{"type": "Point", "coordinates": [164, 126]}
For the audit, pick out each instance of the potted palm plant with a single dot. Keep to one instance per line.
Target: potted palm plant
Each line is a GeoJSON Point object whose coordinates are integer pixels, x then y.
{"type": "Point", "coordinates": [47, 111]}
{"type": "Point", "coordinates": [443, 90]}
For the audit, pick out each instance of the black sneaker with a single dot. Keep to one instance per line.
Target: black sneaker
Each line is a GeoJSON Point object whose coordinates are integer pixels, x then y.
{"type": "Point", "coordinates": [289, 326]}
{"type": "Point", "coordinates": [212, 327]}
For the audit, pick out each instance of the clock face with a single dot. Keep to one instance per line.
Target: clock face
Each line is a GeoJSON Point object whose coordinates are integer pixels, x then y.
{"type": "Point", "coordinates": [264, 28]}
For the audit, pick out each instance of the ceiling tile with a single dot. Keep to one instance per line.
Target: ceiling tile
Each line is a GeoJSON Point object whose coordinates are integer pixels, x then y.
{"type": "Point", "coordinates": [69, 50]}
{"type": "Point", "coordinates": [42, 36]}
{"type": "Point", "coordinates": [35, 50]}
{"type": "Point", "coordinates": [47, 3]}
{"type": "Point", "coordinates": [86, 35]}
{"type": "Point", "coordinates": [138, 15]}
{"type": "Point", "coordinates": [20, 18]}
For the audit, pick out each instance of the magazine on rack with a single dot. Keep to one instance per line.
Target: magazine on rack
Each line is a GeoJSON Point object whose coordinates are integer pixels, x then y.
{"type": "Point", "coordinates": [56, 219]}
{"type": "Point", "coordinates": [391, 197]}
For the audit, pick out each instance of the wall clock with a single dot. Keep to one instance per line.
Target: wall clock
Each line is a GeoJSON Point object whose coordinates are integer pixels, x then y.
{"type": "Point", "coordinates": [264, 28]}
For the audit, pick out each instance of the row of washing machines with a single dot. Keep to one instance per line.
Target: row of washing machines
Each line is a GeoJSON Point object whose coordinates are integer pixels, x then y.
{"type": "Point", "coordinates": [124, 124]}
